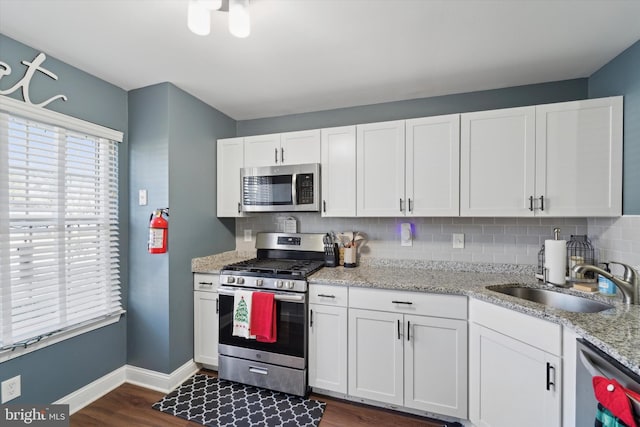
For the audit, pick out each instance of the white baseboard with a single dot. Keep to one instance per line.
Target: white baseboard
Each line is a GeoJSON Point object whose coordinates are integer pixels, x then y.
{"type": "Point", "coordinates": [93, 391]}
{"type": "Point", "coordinates": [159, 381]}
{"type": "Point", "coordinates": [127, 374]}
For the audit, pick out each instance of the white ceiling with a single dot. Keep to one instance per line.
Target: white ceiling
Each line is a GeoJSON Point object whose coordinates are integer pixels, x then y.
{"type": "Point", "coordinates": [310, 55]}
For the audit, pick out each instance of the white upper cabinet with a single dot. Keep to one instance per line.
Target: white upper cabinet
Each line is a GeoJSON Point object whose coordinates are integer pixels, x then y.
{"type": "Point", "coordinates": [497, 162]}
{"type": "Point", "coordinates": [380, 169]}
{"type": "Point", "coordinates": [338, 171]}
{"type": "Point", "coordinates": [562, 159]}
{"type": "Point", "coordinates": [230, 159]}
{"type": "Point", "coordinates": [261, 150]}
{"type": "Point", "coordinates": [288, 148]}
{"type": "Point", "coordinates": [579, 158]}
{"type": "Point", "coordinates": [433, 166]}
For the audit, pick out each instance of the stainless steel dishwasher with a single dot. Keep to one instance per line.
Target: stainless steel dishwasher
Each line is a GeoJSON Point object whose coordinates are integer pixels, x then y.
{"type": "Point", "coordinates": [591, 362]}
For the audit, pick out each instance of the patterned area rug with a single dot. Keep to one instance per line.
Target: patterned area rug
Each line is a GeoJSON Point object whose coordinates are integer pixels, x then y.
{"type": "Point", "coordinates": [218, 403]}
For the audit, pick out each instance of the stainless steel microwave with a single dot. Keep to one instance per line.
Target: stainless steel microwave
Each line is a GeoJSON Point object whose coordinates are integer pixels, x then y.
{"type": "Point", "coordinates": [286, 188]}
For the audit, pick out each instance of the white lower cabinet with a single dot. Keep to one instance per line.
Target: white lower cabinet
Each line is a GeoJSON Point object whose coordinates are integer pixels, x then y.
{"type": "Point", "coordinates": [401, 352]}
{"type": "Point", "coordinates": [328, 338]}
{"type": "Point", "coordinates": [205, 319]}
{"type": "Point", "coordinates": [514, 369]}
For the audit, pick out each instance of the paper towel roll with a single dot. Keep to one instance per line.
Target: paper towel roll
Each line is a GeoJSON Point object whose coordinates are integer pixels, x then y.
{"type": "Point", "coordinates": [555, 261]}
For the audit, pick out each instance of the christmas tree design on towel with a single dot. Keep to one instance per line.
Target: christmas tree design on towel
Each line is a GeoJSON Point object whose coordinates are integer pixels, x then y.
{"type": "Point", "coordinates": [242, 314]}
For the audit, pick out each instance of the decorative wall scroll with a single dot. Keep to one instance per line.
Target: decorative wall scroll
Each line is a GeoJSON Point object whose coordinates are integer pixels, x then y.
{"type": "Point", "coordinates": [25, 81]}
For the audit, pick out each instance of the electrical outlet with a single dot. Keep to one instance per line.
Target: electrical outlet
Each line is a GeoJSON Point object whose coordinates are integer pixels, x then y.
{"type": "Point", "coordinates": [458, 240]}
{"type": "Point", "coordinates": [406, 238]}
{"type": "Point", "coordinates": [10, 389]}
{"type": "Point", "coordinates": [247, 235]}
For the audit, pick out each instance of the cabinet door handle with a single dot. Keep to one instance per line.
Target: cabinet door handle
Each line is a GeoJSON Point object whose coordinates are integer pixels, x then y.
{"type": "Point", "coordinates": [541, 203]}
{"type": "Point", "coordinates": [217, 306]}
{"type": "Point", "coordinates": [550, 383]}
{"type": "Point", "coordinates": [400, 204]}
{"type": "Point", "coordinates": [239, 207]}
{"type": "Point", "coordinates": [531, 203]}
{"type": "Point", "coordinates": [402, 302]}
{"type": "Point", "coordinates": [324, 206]}
{"type": "Point", "coordinates": [311, 318]}
{"type": "Point", "coordinates": [326, 296]}
{"type": "Point", "coordinates": [276, 154]}
{"type": "Point", "coordinates": [398, 328]}
{"type": "Point", "coordinates": [282, 155]}
{"type": "Point", "coordinates": [408, 330]}
{"type": "Point", "coordinates": [409, 203]}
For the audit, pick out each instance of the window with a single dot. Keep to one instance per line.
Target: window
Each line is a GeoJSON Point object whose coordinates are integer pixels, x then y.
{"type": "Point", "coordinates": [59, 261]}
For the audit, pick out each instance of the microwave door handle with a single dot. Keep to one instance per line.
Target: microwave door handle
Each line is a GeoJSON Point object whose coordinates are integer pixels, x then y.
{"type": "Point", "coordinates": [294, 189]}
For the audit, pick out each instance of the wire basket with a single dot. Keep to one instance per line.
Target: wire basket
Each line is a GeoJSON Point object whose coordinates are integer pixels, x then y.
{"type": "Point", "coordinates": [580, 251]}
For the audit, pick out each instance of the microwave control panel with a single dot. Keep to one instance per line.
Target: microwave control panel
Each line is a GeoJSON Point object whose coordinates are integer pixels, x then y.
{"type": "Point", "coordinates": [304, 189]}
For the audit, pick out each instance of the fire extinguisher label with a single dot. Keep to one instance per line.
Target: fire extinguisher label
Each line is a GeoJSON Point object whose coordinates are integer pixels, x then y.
{"type": "Point", "coordinates": [155, 238]}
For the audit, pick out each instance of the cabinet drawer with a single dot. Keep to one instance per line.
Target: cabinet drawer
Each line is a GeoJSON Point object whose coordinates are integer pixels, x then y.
{"type": "Point", "coordinates": [436, 305]}
{"type": "Point", "coordinates": [545, 335]}
{"type": "Point", "coordinates": [205, 282]}
{"type": "Point", "coordinates": [328, 295]}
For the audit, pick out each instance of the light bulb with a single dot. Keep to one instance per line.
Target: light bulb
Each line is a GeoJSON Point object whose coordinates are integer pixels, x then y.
{"type": "Point", "coordinates": [239, 20]}
{"type": "Point", "coordinates": [211, 4]}
{"type": "Point", "coordinates": [198, 18]}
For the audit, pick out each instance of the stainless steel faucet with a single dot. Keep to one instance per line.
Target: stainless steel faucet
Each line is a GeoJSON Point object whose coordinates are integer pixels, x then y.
{"type": "Point", "coordinates": [628, 284]}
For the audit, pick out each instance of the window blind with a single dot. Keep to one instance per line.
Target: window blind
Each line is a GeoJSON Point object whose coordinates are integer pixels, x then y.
{"type": "Point", "coordinates": [59, 265]}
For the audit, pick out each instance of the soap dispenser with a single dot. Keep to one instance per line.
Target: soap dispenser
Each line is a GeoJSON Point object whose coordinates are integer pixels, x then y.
{"type": "Point", "coordinates": [606, 286]}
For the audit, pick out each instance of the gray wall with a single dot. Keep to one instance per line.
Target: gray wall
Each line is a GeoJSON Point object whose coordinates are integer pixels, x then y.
{"type": "Point", "coordinates": [173, 157]}
{"type": "Point", "coordinates": [55, 371]}
{"type": "Point", "coordinates": [148, 321]}
{"type": "Point", "coordinates": [567, 90]}
{"type": "Point", "coordinates": [621, 76]}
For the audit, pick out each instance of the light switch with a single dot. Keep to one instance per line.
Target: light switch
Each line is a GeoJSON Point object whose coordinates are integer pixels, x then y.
{"type": "Point", "coordinates": [142, 197]}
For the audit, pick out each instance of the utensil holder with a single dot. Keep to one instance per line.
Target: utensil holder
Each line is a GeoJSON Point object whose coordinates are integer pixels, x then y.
{"type": "Point", "coordinates": [350, 257]}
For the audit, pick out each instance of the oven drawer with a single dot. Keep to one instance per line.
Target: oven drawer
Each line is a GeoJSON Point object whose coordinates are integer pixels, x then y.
{"type": "Point", "coordinates": [335, 295]}
{"type": "Point", "coordinates": [273, 377]}
{"type": "Point", "coordinates": [205, 282]}
{"type": "Point", "coordinates": [420, 303]}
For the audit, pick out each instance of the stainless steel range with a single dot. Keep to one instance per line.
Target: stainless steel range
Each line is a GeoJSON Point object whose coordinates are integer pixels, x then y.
{"type": "Point", "coordinates": [282, 265]}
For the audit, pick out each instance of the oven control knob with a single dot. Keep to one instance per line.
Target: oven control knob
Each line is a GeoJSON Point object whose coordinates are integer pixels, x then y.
{"type": "Point", "coordinates": [240, 280]}
{"type": "Point", "coordinates": [259, 282]}
{"type": "Point", "coordinates": [231, 279]}
{"type": "Point", "coordinates": [289, 285]}
{"type": "Point", "coordinates": [279, 283]}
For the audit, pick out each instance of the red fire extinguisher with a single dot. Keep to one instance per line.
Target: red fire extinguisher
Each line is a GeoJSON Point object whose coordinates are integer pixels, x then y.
{"type": "Point", "coordinates": [158, 231]}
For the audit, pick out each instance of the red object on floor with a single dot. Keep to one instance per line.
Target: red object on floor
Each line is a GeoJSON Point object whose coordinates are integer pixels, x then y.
{"type": "Point", "coordinates": [613, 396]}
{"type": "Point", "coordinates": [263, 317]}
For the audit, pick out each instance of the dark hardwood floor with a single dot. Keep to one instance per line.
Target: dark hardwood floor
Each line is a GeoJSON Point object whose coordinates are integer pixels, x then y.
{"type": "Point", "coordinates": [130, 405]}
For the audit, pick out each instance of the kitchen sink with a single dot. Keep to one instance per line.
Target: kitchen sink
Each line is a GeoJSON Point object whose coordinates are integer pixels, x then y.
{"type": "Point", "coordinates": [554, 299]}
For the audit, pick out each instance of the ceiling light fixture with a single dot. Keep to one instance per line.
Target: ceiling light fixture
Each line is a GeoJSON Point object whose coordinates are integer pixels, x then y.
{"type": "Point", "coordinates": [239, 20]}
{"type": "Point", "coordinates": [199, 16]}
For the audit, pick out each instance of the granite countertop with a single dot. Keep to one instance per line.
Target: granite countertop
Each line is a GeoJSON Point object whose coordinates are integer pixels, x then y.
{"type": "Point", "coordinates": [615, 331]}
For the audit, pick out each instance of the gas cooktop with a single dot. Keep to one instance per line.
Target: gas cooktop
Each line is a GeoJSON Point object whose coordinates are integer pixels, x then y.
{"type": "Point", "coordinates": [276, 268]}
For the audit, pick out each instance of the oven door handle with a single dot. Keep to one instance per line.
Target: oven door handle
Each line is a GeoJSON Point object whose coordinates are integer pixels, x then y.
{"type": "Point", "coordinates": [277, 297]}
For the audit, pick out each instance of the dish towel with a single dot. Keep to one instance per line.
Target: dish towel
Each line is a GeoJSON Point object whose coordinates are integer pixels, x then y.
{"type": "Point", "coordinates": [604, 418]}
{"type": "Point", "coordinates": [242, 302]}
{"type": "Point", "coordinates": [263, 317]}
{"type": "Point", "coordinates": [613, 397]}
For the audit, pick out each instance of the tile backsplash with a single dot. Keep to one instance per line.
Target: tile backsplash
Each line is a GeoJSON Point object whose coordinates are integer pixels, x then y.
{"type": "Point", "coordinates": [487, 240]}
{"type": "Point", "coordinates": [617, 239]}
